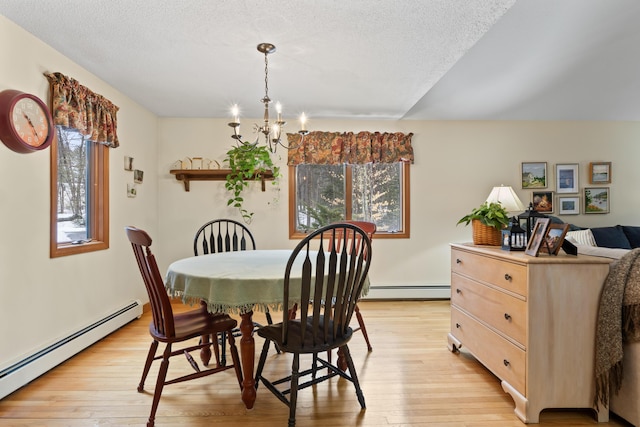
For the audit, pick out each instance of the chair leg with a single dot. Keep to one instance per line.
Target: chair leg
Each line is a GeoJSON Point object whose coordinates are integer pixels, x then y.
{"type": "Point", "coordinates": [162, 376]}
{"type": "Point", "coordinates": [268, 315]}
{"type": "Point", "coordinates": [147, 365]}
{"type": "Point", "coordinates": [363, 328]}
{"type": "Point", "coordinates": [354, 376]}
{"type": "Point", "coordinates": [223, 349]}
{"type": "Point", "coordinates": [235, 357]}
{"type": "Point", "coordinates": [263, 359]}
{"type": "Point", "coordinates": [293, 397]}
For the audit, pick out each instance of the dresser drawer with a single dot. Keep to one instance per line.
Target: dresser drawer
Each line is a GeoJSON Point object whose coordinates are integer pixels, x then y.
{"type": "Point", "coordinates": [501, 311]}
{"type": "Point", "coordinates": [501, 357]}
{"type": "Point", "coordinates": [504, 274]}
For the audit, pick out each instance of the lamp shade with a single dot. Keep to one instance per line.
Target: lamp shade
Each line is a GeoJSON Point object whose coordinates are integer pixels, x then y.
{"type": "Point", "coordinates": [507, 198]}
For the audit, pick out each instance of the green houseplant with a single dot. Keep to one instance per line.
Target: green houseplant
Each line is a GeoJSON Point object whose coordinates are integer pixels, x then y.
{"type": "Point", "coordinates": [248, 162]}
{"type": "Point", "coordinates": [487, 220]}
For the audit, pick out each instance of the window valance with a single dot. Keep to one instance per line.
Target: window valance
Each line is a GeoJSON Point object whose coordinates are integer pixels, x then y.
{"type": "Point", "coordinates": [76, 106]}
{"type": "Point", "coordinates": [332, 148]}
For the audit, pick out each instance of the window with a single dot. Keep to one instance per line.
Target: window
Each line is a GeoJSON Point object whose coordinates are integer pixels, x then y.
{"type": "Point", "coordinates": [376, 192]}
{"type": "Point", "coordinates": [86, 127]}
{"type": "Point", "coordinates": [79, 194]}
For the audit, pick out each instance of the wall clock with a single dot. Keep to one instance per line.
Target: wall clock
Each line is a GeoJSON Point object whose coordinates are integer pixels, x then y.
{"type": "Point", "coordinates": [25, 122]}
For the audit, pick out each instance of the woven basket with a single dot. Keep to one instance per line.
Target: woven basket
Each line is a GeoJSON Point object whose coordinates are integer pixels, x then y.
{"type": "Point", "coordinates": [485, 235]}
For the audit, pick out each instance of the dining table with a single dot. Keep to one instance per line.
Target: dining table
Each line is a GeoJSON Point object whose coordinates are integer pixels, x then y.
{"type": "Point", "coordinates": [238, 282]}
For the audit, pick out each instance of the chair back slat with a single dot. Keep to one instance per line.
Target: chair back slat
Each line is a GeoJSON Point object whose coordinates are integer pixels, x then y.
{"type": "Point", "coordinates": [162, 313]}
{"type": "Point", "coordinates": [329, 272]}
{"type": "Point", "coordinates": [222, 235]}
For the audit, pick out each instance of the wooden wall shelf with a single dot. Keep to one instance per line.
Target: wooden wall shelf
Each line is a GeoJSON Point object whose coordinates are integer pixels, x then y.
{"type": "Point", "coordinates": [188, 175]}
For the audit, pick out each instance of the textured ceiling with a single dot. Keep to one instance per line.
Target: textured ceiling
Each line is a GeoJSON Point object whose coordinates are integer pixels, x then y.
{"type": "Point", "coordinates": [379, 59]}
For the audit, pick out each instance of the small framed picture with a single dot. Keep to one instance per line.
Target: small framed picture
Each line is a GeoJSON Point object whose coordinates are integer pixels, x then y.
{"type": "Point", "coordinates": [569, 205]}
{"type": "Point", "coordinates": [534, 175]}
{"type": "Point", "coordinates": [128, 163]}
{"type": "Point", "coordinates": [537, 236]}
{"type": "Point", "coordinates": [554, 238]}
{"type": "Point", "coordinates": [131, 190]}
{"type": "Point", "coordinates": [596, 200]}
{"type": "Point", "coordinates": [600, 173]}
{"type": "Point", "coordinates": [567, 178]}
{"type": "Point", "coordinates": [138, 176]}
{"type": "Point", "coordinates": [542, 201]}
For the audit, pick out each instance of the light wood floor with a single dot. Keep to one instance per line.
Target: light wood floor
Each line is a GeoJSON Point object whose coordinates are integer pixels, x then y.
{"type": "Point", "coordinates": [410, 379]}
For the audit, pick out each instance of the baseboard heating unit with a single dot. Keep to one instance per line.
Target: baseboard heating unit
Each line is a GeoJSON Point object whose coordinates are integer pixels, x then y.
{"type": "Point", "coordinates": [31, 367]}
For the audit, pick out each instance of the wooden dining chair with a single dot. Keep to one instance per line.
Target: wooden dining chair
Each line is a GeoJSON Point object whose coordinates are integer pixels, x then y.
{"type": "Point", "coordinates": [175, 328]}
{"type": "Point", "coordinates": [336, 273]}
{"type": "Point", "coordinates": [224, 235]}
{"type": "Point", "coordinates": [369, 228]}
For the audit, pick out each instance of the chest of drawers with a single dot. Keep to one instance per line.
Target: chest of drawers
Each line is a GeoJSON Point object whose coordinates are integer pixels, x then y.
{"type": "Point", "coordinates": [531, 321]}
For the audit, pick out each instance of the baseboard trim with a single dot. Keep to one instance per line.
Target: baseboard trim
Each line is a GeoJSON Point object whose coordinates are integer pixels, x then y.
{"type": "Point", "coordinates": [409, 292]}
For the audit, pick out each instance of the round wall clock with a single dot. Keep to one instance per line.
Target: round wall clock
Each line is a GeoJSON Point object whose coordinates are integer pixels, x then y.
{"type": "Point", "coordinates": [25, 122]}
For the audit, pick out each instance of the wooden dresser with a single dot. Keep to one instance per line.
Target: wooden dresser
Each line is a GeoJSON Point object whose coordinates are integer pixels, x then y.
{"type": "Point", "coordinates": [531, 321]}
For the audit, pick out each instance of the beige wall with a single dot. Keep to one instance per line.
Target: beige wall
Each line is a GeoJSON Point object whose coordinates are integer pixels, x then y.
{"type": "Point", "coordinates": [43, 299]}
{"type": "Point", "coordinates": [457, 164]}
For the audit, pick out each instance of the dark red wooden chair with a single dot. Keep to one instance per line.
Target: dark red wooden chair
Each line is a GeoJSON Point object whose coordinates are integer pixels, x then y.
{"type": "Point", "coordinates": [174, 328]}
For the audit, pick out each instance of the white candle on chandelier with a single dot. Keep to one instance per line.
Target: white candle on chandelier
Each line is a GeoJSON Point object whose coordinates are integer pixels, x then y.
{"type": "Point", "coordinates": [235, 112]}
{"type": "Point", "coordinates": [303, 122]}
{"type": "Point", "coordinates": [279, 110]}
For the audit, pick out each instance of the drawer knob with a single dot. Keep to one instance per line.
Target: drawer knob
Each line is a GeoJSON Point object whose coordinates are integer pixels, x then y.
{"type": "Point", "coordinates": [507, 277]}
{"type": "Point", "coordinates": [458, 291]}
{"type": "Point", "coordinates": [507, 316]}
{"type": "Point", "coordinates": [506, 362]}
{"type": "Point", "coordinates": [458, 325]}
{"type": "Point", "coordinates": [458, 261]}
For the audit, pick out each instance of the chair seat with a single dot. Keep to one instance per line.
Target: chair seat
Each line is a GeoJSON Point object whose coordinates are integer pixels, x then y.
{"type": "Point", "coordinates": [295, 344]}
{"type": "Point", "coordinates": [193, 323]}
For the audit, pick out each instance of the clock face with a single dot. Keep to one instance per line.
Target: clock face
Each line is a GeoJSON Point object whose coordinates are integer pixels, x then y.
{"type": "Point", "coordinates": [25, 122]}
{"type": "Point", "coordinates": [30, 122]}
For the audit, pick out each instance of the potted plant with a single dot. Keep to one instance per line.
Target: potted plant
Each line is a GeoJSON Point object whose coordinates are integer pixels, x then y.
{"type": "Point", "coordinates": [487, 220]}
{"type": "Point", "coordinates": [248, 162]}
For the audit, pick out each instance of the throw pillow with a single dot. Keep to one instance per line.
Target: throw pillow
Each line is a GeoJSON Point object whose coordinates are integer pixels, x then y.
{"type": "Point", "coordinates": [611, 237]}
{"type": "Point", "coordinates": [581, 237]}
{"type": "Point", "coordinates": [633, 234]}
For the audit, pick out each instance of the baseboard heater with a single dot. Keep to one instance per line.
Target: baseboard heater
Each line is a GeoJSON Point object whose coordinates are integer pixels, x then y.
{"type": "Point", "coordinates": [417, 292]}
{"type": "Point", "coordinates": [31, 367]}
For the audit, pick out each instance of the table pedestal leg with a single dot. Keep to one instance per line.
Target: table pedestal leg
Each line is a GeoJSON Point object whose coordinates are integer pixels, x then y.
{"type": "Point", "coordinates": [247, 353]}
{"type": "Point", "coordinates": [342, 361]}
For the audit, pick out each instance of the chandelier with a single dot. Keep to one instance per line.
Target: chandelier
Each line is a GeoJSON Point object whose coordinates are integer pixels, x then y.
{"type": "Point", "coordinates": [272, 132]}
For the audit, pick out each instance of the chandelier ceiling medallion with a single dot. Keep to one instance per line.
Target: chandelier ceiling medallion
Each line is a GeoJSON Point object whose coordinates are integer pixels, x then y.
{"type": "Point", "coordinates": [272, 131]}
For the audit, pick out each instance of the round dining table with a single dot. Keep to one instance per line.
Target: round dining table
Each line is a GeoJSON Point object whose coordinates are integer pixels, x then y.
{"type": "Point", "coordinates": [237, 283]}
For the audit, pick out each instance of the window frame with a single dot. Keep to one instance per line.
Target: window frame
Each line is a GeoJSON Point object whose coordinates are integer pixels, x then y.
{"type": "Point", "coordinates": [406, 204]}
{"type": "Point", "coordinates": [99, 201]}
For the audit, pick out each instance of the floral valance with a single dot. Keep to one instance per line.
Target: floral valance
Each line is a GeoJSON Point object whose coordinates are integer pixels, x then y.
{"type": "Point", "coordinates": [332, 148]}
{"type": "Point", "coordinates": [75, 106]}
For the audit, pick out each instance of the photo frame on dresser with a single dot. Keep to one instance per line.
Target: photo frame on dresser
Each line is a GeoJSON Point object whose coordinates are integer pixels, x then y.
{"type": "Point", "coordinates": [554, 238]}
{"type": "Point", "coordinates": [537, 236]}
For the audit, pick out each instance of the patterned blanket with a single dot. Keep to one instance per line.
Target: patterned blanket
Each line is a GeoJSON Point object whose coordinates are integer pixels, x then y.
{"type": "Point", "coordinates": [618, 322]}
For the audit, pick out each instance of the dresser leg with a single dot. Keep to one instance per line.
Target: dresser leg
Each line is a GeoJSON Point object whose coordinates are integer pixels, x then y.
{"type": "Point", "coordinates": [453, 344]}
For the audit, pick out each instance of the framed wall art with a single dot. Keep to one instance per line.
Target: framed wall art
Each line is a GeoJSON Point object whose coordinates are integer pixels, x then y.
{"type": "Point", "coordinates": [600, 173]}
{"type": "Point", "coordinates": [569, 205]}
{"type": "Point", "coordinates": [534, 175]}
{"type": "Point", "coordinates": [542, 201]}
{"type": "Point", "coordinates": [567, 178]}
{"type": "Point", "coordinates": [554, 237]}
{"type": "Point", "coordinates": [596, 200]}
{"type": "Point", "coordinates": [537, 236]}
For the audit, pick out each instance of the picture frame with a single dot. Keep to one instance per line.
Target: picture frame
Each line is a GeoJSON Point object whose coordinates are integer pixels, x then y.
{"type": "Point", "coordinates": [554, 237]}
{"type": "Point", "coordinates": [567, 178]}
{"type": "Point", "coordinates": [542, 201]}
{"type": "Point", "coordinates": [600, 173]}
{"type": "Point", "coordinates": [138, 176]}
{"type": "Point", "coordinates": [534, 175]}
{"type": "Point", "coordinates": [569, 205]}
{"type": "Point", "coordinates": [128, 163]}
{"type": "Point", "coordinates": [131, 190]}
{"type": "Point", "coordinates": [596, 200]}
{"type": "Point", "coordinates": [537, 236]}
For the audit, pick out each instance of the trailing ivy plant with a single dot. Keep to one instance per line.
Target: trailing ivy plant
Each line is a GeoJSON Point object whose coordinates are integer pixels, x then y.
{"type": "Point", "coordinates": [248, 162]}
